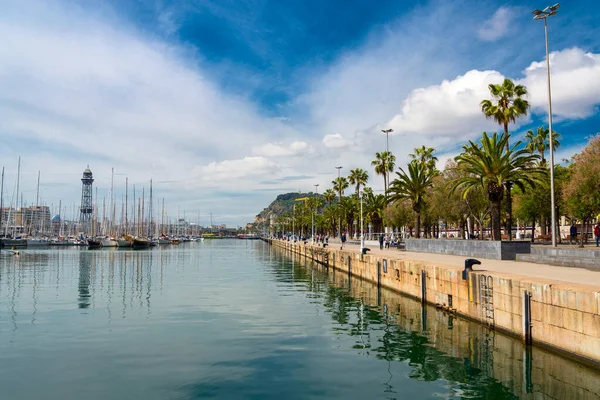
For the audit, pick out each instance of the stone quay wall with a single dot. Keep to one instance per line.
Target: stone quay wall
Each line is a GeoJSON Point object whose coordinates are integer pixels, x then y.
{"type": "Point", "coordinates": [494, 250]}
{"type": "Point", "coordinates": [550, 314]}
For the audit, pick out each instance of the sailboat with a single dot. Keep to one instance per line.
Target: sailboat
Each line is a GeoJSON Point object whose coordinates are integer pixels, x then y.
{"type": "Point", "coordinates": [93, 242]}
{"type": "Point", "coordinates": [11, 241]}
{"type": "Point", "coordinates": [125, 241]}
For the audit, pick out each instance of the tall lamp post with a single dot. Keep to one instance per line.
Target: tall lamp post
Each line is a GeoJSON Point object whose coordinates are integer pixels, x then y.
{"type": "Point", "coordinates": [340, 192]}
{"type": "Point", "coordinates": [544, 14]}
{"type": "Point", "coordinates": [387, 150]}
{"type": "Point", "coordinates": [313, 214]}
{"type": "Point", "coordinates": [362, 231]}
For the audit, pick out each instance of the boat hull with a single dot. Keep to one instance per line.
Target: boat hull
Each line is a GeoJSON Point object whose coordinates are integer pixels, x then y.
{"type": "Point", "coordinates": [123, 243]}
{"type": "Point", "coordinates": [94, 244]}
{"type": "Point", "coordinates": [141, 244]}
{"type": "Point", "coordinates": [13, 242]}
{"type": "Point", "coordinates": [109, 243]}
{"type": "Point", "coordinates": [37, 243]}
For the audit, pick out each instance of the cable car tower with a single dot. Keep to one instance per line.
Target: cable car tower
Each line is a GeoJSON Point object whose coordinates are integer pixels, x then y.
{"type": "Point", "coordinates": [87, 208]}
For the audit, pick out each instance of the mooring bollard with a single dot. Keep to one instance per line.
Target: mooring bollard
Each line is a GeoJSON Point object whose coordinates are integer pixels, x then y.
{"type": "Point", "coordinates": [469, 262]}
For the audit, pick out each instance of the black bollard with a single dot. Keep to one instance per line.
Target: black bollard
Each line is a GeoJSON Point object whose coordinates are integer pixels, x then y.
{"type": "Point", "coordinates": [469, 262]}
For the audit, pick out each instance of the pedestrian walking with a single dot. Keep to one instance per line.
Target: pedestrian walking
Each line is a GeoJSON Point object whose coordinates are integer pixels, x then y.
{"type": "Point", "coordinates": [343, 240]}
{"type": "Point", "coordinates": [381, 241]}
{"type": "Point", "coordinates": [573, 233]}
{"type": "Point", "coordinates": [597, 233]}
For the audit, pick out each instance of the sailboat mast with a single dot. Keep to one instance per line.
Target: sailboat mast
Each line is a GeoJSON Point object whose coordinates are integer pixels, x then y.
{"type": "Point", "coordinates": [162, 213]}
{"type": "Point", "coordinates": [143, 219]}
{"type": "Point", "coordinates": [2, 199]}
{"type": "Point", "coordinates": [111, 203]}
{"type": "Point", "coordinates": [150, 212]}
{"type": "Point", "coordinates": [126, 205]}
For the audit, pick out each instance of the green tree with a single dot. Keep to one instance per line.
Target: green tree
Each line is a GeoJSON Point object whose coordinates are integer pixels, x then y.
{"type": "Point", "coordinates": [358, 177]}
{"type": "Point", "coordinates": [488, 165]}
{"type": "Point", "coordinates": [412, 185]}
{"type": "Point", "coordinates": [425, 156]}
{"type": "Point", "coordinates": [384, 163]}
{"type": "Point", "coordinates": [582, 190]}
{"type": "Point", "coordinates": [539, 141]}
{"type": "Point", "coordinates": [507, 104]}
{"type": "Point", "coordinates": [340, 185]}
{"type": "Point", "coordinates": [329, 195]}
{"type": "Point", "coordinates": [374, 207]}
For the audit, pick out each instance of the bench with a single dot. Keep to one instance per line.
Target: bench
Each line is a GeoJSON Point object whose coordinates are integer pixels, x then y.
{"type": "Point", "coordinates": [544, 237]}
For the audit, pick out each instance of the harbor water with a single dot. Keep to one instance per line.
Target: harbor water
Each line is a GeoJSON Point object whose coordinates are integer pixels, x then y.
{"type": "Point", "coordinates": [237, 319]}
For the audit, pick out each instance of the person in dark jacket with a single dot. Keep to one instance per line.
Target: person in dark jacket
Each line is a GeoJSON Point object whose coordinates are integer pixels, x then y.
{"type": "Point", "coordinates": [573, 233]}
{"type": "Point", "coordinates": [381, 241]}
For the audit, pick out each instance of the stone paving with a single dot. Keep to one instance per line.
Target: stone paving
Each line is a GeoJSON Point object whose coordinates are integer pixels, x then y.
{"type": "Point", "coordinates": [540, 272]}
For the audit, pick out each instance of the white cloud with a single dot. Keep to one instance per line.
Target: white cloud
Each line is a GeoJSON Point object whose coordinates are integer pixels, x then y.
{"type": "Point", "coordinates": [335, 140]}
{"type": "Point", "coordinates": [279, 149]}
{"type": "Point", "coordinates": [575, 80]}
{"type": "Point", "coordinates": [449, 109]}
{"type": "Point", "coordinates": [228, 171]}
{"type": "Point", "coordinates": [452, 107]}
{"type": "Point", "coordinates": [497, 26]}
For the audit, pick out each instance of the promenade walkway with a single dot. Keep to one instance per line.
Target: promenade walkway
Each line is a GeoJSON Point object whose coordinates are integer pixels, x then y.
{"type": "Point", "coordinates": [540, 272]}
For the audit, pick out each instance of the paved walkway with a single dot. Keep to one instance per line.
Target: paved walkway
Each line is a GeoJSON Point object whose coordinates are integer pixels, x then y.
{"type": "Point", "coordinates": [541, 272]}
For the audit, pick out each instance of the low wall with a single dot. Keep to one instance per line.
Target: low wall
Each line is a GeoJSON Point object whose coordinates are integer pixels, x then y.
{"type": "Point", "coordinates": [564, 318]}
{"type": "Point", "coordinates": [564, 257]}
{"type": "Point", "coordinates": [495, 250]}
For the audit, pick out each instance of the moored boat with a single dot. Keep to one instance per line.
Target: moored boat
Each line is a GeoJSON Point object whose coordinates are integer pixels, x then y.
{"type": "Point", "coordinates": [124, 243]}
{"type": "Point", "coordinates": [37, 242]}
{"type": "Point", "coordinates": [93, 243]}
{"type": "Point", "coordinates": [10, 243]}
{"type": "Point", "coordinates": [141, 243]}
{"type": "Point", "coordinates": [109, 242]}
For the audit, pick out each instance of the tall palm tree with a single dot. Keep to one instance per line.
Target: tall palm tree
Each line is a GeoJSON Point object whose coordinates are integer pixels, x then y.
{"type": "Point", "coordinates": [329, 195]}
{"type": "Point", "coordinates": [374, 206]}
{"type": "Point", "coordinates": [507, 103]}
{"type": "Point", "coordinates": [384, 163]}
{"type": "Point", "coordinates": [425, 156]}
{"type": "Point", "coordinates": [413, 186]}
{"type": "Point", "coordinates": [488, 165]}
{"type": "Point", "coordinates": [540, 141]}
{"type": "Point", "coordinates": [358, 177]}
{"type": "Point", "coordinates": [339, 185]}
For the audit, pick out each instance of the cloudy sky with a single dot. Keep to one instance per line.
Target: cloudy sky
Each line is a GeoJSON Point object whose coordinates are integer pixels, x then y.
{"type": "Point", "coordinates": [225, 104]}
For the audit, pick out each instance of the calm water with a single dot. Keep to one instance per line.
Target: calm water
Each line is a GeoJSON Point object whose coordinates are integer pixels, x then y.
{"type": "Point", "coordinates": [238, 319]}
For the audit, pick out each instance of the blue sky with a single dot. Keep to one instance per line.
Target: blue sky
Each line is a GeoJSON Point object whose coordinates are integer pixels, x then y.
{"type": "Point", "coordinates": [225, 104]}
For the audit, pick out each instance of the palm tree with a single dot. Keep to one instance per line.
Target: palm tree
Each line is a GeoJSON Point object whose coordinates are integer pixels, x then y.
{"type": "Point", "coordinates": [339, 185]}
{"type": "Point", "coordinates": [374, 208]}
{"type": "Point", "coordinates": [358, 177]}
{"type": "Point", "coordinates": [507, 103]}
{"type": "Point", "coordinates": [540, 141]}
{"type": "Point", "coordinates": [413, 186]}
{"type": "Point", "coordinates": [506, 106]}
{"type": "Point", "coordinates": [329, 195]}
{"type": "Point", "coordinates": [488, 165]}
{"type": "Point", "coordinates": [425, 156]}
{"type": "Point", "coordinates": [384, 163]}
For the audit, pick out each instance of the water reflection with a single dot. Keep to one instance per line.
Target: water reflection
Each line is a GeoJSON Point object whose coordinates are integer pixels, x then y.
{"type": "Point", "coordinates": [475, 362]}
{"type": "Point", "coordinates": [85, 260]}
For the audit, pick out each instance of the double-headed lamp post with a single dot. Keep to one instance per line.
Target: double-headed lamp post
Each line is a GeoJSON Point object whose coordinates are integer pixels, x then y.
{"type": "Point", "coordinates": [314, 211]}
{"type": "Point", "coordinates": [544, 14]}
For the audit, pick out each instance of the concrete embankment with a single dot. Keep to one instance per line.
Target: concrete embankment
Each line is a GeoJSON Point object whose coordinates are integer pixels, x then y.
{"type": "Point", "coordinates": [551, 314]}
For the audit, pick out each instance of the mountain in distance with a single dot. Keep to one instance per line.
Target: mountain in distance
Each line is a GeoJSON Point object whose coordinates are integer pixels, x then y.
{"type": "Point", "coordinates": [282, 204]}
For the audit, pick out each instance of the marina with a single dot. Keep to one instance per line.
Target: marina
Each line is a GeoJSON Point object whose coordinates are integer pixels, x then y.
{"type": "Point", "coordinates": [231, 317]}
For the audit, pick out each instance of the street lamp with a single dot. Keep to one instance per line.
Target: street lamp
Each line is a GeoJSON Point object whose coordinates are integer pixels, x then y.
{"type": "Point", "coordinates": [544, 14]}
{"type": "Point", "coordinates": [362, 232]}
{"type": "Point", "coordinates": [340, 191]}
{"type": "Point", "coordinates": [387, 150]}
{"type": "Point", "coordinates": [313, 214]}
